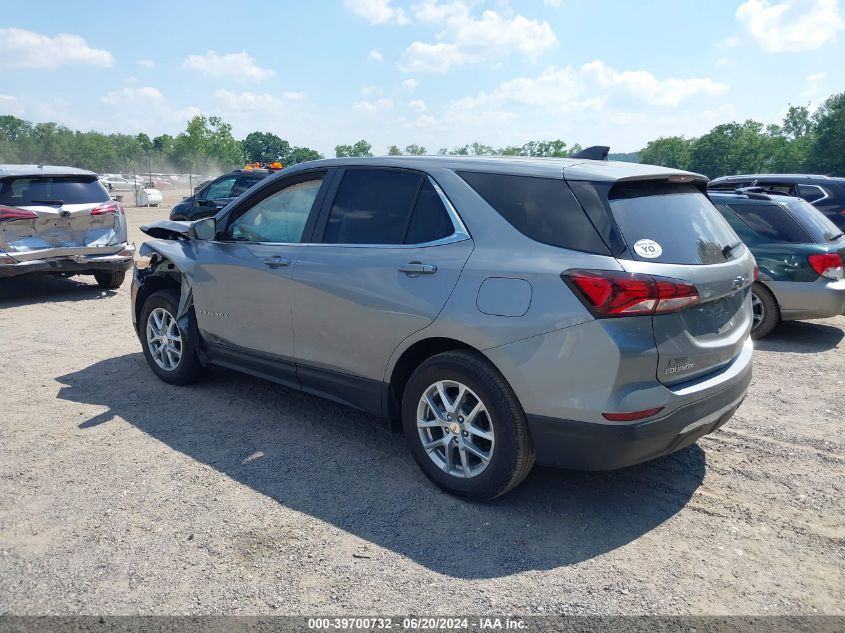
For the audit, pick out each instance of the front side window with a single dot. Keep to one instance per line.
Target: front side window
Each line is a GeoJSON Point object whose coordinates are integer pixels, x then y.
{"type": "Point", "coordinates": [280, 217]}
{"type": "Point", "coordinates": [372, 206]}
{"type": "Point", "coordinates": [771, 222]}
{"type": "Point", "coordinates": [219, 189]}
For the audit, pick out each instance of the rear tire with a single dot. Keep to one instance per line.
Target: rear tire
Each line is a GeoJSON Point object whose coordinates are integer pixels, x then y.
{"type": "Point", "coordinates": [765, 309]}
{"type": "Point", "coordinates": [458, 384]}
{"type": "Point", "coordinates": [169, 352]}
{"type": "Point", "coordinates": [110, 281]}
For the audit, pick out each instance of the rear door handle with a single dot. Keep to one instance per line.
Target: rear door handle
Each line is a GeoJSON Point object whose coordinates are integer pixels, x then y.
{"type": "Point", "coordinates": [418, 268]}
{"type": "Point", "coordinates": [277, 261]}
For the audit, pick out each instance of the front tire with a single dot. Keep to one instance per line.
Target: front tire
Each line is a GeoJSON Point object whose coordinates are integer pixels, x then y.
{"type": "Point", "coordinates": [465, 426]}
{"type": "Point", "coordinates": [169, 352]}
{"type": "Point", "coordinates": [110, 281]}
{"type": "Point", "coordinates": [765, 311]}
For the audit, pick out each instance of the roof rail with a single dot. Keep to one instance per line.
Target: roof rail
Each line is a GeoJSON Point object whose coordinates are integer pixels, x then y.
{"type": "Point", "coordinates": [755, 193]}
{"type": "Point", "coordinates": [594, 152]}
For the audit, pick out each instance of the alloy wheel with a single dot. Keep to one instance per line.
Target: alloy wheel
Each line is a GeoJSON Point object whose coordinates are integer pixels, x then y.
{"type": "Point", "coordinates": [164, 339]}
{"type": "Point", "coordinates": [455, 429]}
{"type": "Point", "coordinates": [758, 311]}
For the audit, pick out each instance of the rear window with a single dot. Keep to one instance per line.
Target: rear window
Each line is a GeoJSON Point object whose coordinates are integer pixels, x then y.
{"type": "Point", "coordinates": [771, 222]}
{"type": "Point", "coordinates": [18, 192]}
{"type": "Point", "coordinates": [813, 221]}
{"type": "Point", "coordinates": [671, 223]}
{"type": "Point", "coordinates": [543, 209]}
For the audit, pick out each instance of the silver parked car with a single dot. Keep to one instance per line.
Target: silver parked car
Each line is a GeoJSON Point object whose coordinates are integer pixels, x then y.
{"type": "Point", "coordinates": [576, 313]}
{"type": "Point", "coordinates": [60, 220]}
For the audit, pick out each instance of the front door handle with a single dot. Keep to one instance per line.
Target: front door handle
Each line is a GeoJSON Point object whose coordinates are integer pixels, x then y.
{"type": "Point", "coordinates": [277, 262]}
{"type": "Point", "coordinates": [418, 268]}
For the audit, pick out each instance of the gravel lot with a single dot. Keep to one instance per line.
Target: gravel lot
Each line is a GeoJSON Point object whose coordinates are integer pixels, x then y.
{"type": "Point", "coordinates": [120, 494]}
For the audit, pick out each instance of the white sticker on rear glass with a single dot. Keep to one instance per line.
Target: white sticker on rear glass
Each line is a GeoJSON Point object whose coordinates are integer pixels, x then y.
{"type": "Point", "coordinates": [648, 249]}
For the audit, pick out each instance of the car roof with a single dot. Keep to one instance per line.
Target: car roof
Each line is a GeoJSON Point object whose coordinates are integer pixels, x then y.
{"type": "Point", "coordinates": [575, 169]}
{"type": "Point", "coordinates": [791, 178]}
{"type": "Point", "coordinates": [43, 170]}
{"type": "Point", "coordinates": [763, 198]}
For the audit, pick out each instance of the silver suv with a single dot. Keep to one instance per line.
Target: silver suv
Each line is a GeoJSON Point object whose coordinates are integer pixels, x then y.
{"type": "Point", "coordinates": [500, 312]}
{"type": "Point", "coordinates": [61, 221]}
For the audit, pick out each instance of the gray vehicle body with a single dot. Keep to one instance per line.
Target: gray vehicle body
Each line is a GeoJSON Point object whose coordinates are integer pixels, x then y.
{"type": "Point", "coordinates": [351, 322]}
{"type": "Point", "coordinates": [64, 238]}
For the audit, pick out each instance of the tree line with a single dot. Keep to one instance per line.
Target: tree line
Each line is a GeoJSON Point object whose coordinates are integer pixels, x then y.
{"type": "Point", "coordinates": [804, 142]}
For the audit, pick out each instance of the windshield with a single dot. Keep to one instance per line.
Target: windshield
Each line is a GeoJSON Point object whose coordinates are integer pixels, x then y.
{"type": "Point", "coordinates": [35, 190]}
{"type": "Point", "coordinates": [672, 223]}
{"type": "Point", "coordinates": [814, 221]}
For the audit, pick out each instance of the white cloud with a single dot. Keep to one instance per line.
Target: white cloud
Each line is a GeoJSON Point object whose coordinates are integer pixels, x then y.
{"type": "Point", "coordinates": [730, 42]}
{"type": "Point", "coordinates": [723, 61]}
{"type": "Point", "coordinates": [10, 105]}
{"type": "Point", "coordinates": [644, 86]}
{"type": "Point", "coordinates": [240, 66]}
{"type": "Point", "coordinates": [816, 77]}
{"type": "Point", "coordinates": [371, 90]}
{"type": "Point", "coordinates": [465, 39]}
{"type": "Point", "coordinates": [377, 11]}
{"type": "Point", "coordinates": [20, 48]}
{"type": "Point", "coordinates": [410, 84]}
{"type": "Point", "coordinates": [246, 101]}
{"type": "Point", "coordinates": [375, 56]}
{"type": "Point", "coordinates": [294, 96]}
{"type": "Point", "coordinates": [146, 95]}
{"type": "Point", "coordinates": [146, 63]}
{"type": "Point", "coordinates": [791, 25]}
{"type": "Point", "coordinates": [552, 3]}
{"type": "Point", "coordinates": [417, 105]}
{"type": "Point", "coordinates": [369, 107]}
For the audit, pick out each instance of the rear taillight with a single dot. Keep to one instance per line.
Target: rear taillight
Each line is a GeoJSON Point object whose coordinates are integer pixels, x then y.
{"type": "Point", "coordinates": [108, 207]}
{"type": "Point", "coordinates": [828, 265]}
{"type": "Point", "coordinates": [756, 272]}
{"type": "Point", "coordinates": [613, 294]}
{"type": "Point", "coordinates": [13, 213]}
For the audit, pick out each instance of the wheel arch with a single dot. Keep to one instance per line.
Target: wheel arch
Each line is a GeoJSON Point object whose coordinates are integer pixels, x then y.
{"type": "Point", "coordinates": [405, 364]}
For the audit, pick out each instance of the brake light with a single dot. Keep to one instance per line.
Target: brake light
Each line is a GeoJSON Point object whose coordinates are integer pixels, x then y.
{"type": "Point", "coordinates": [828, 265]}
{"type": "Point", "coordinates": [113, 207]}
{"type": "Point", "coordinates": [756, 272]}
{"type": "Point", "coordinates": [633, 415]}
{"type": "Point", "coordinates": [611, 294]}
{"type": "Point", "coordinates": [13, 213]}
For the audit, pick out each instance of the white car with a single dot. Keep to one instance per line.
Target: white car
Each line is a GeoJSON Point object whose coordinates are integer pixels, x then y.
{"type": "Point", "coordinates": [117, 183]}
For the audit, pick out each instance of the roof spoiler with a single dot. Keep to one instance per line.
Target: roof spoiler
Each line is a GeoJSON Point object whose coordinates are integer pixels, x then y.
{"type": "Point", "coordinates": [594, 152]}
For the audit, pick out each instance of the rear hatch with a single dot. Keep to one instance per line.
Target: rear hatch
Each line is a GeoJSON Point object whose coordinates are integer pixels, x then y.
{"type": "Point", "coordinates": [672, 230]}
{"type": "Point", "coordinates": [58, 216]}
{"type": "Point", "coordinates": [816, 224]}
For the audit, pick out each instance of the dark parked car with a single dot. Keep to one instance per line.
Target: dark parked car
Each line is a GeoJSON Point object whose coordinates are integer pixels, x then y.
{"type": "Point", "coordinates": [219, 192]}
{"type": "Point", "coordinates": [799, 253]}
{"type": "Point", "coordinates": [826, 193]}
{"type": "Point", "coordinates": [579, 313]}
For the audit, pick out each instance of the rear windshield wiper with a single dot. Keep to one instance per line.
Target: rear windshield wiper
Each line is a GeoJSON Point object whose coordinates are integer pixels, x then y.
{"type": "Point", "coordinates": [831, 237]}
{"type": "Point", "coordinates": [729, 249]}
{"type": "Point", "coordinates": [58, 202]}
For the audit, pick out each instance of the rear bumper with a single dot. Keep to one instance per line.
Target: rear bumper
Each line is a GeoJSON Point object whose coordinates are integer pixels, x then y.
{"type": "Point", "coordinates": [592, 446]}
{"type": "Point", "coordinates": [72, 264]}
{"type": "Point", "coordinates": [820, 299]}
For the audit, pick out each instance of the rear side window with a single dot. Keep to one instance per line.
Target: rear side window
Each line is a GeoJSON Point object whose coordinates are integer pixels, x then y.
{"type": "Point", "coordinates": [543, 209]}
{"type": "Point", "coordinates": [16, 192]}
{"type": "Point", "coordinates": [430, 221]}
{"type": "Point", "coordinates": [810, 193]}
{"type": "Point", "coordinates": [771, 222]}
{"type": "Point", "coordinates": [244, 183]}
{"type": "Point", "coordinates": [812, 220]}
{"type": "Point", "coordinates": [219, 189]}
{"type": "Point", "coordinates": [671, 223]}
{"type": "Point", "coordinates": [372, 206]}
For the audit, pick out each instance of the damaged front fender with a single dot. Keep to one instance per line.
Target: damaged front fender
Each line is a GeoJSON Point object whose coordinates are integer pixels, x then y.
{"type": "Point", "coordinates": [171, 265]}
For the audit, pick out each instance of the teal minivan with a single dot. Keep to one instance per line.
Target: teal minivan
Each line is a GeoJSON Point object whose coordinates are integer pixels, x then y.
{"type": "Point", "coordinates": [799, 253]}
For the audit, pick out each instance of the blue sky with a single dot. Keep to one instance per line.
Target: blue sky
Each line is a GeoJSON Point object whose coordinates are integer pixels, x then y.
{"type": "Point", "coordinates": [421, 71]}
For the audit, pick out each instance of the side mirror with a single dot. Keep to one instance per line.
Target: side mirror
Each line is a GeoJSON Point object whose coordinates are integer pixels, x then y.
{"type": "Point", "coordinates": [203, 229]}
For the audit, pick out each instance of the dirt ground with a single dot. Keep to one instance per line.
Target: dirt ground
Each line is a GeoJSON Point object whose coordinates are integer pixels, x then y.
{"type": "Point", "coordinates": [120, 494]}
